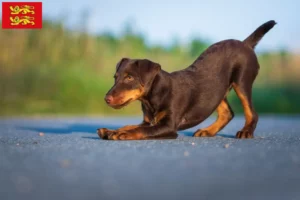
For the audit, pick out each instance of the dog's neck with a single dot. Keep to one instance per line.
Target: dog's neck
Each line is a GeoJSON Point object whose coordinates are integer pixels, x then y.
{"type": "Point", "coordinates": [155, 97]}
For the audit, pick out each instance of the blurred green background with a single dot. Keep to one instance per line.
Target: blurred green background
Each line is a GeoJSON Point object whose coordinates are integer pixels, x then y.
{"type": "Point", "coordinates": [58, 70]}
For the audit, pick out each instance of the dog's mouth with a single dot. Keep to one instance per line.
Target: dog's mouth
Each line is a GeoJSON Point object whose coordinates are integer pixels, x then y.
{"type": "Point", "coordinates": [122, 105]}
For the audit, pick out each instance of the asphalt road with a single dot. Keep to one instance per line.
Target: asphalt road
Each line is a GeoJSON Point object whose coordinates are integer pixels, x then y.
{"type": "Point", "coordinates": [68, 161]}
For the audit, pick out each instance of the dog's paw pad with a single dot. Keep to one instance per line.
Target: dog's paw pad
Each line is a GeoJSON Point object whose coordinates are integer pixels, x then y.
{"type": "Point", "coordinates": [103, 133]}
{"type": "Point", "coordinates": [202, 133]}
{"type": "Point", "coordinates": [244, 134]}
{"type": "Point", "coordinates": [112, 135]}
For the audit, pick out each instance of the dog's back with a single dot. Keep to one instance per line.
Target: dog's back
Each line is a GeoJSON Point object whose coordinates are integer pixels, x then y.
{"type": "Point", "coordinates": [219, 53]}
{"type": "Point", "coordinates": [222, 64]}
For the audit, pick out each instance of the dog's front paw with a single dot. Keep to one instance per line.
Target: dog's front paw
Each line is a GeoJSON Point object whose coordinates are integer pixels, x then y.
{"type": "Point", "coordinates": [104, 133]}
{"type": "Point", "coordinates": [202, 133]}
{"type": "Point", "coordinates": [118, 135]}
{"type": "Point", "coordinates": [123, 135]}
{"type": "Point", "coordinates": [244, 134]}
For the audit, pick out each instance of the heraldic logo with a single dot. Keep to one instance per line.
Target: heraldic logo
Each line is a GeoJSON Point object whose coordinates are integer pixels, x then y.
{"type": "Point", "coordinates": [19, 15]}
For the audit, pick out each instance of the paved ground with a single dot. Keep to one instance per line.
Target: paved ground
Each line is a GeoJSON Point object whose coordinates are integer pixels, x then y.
{"type": "Point", "coordinates": [70, 162]}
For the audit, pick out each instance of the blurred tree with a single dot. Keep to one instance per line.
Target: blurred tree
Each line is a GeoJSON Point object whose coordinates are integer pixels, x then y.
{"type": "Point", "coordinates": [110, 39]}
{"type": "Point", "coordinates": [134, 42]}
{"type": "Point", "coordinates": [284, 57]}
{"type": "Point", "coordinates": [197, 46]}
{"type": "Point", "coordinates": [62, 70]}
{"type": "Point", "coordinates": [175, 46]}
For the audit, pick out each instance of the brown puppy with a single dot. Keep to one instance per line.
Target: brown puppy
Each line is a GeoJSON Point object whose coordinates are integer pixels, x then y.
{"type": "Point", "coordinates": [182, 99]}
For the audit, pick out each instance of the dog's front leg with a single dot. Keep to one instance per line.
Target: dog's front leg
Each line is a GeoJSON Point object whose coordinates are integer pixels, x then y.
{"type": "Point", "coordinates": [104, 133]}
{"type": "Point", "coordinates": [160, 131]}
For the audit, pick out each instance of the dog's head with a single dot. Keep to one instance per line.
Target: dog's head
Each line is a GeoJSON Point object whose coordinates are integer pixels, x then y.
{"type": "Point", "coordinates": [132, 79]}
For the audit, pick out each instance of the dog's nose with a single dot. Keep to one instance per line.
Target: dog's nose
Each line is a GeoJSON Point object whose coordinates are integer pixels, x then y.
{"type": "Point", "coordinates": [108, 99]}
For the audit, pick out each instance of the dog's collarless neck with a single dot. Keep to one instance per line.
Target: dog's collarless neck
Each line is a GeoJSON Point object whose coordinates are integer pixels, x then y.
{"type": "Point", "coordinates": [156, 96]}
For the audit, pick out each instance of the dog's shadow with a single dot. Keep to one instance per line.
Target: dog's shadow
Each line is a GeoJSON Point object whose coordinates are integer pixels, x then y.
{"type": "Point", "coordinates": [69, 129]}
{"type": "Point", "coordinates": [190, 134]}
{"type": "Point", "coordinates": [91, 128]}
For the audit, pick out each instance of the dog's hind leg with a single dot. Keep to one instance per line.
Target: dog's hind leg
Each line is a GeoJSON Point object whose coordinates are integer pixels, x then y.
{"type": "Point", "coordinates": [244, 92]}
{"type": "Point", "coordinates": [225, 114]}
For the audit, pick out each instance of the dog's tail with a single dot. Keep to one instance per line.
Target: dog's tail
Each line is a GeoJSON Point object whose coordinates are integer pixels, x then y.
{"type": "Point", "coordinates": [256, 36]}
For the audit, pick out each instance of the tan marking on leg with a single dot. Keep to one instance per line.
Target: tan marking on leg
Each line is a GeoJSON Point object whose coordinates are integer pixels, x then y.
{"type": "Point", "coordinates": [131, 136]}
{"type": "Point", "coordinates": [224, 116]}
{"type": "Point", "coordinates": [159, 116]}
{"type": "Point", "coordinates": [128, 127]}
{"type": "Point", "coordinates": [146, 119]}
{"type": "Point", "coordinates": [245, 104]}
{"type": "Point", "coordinates": [251, 117]}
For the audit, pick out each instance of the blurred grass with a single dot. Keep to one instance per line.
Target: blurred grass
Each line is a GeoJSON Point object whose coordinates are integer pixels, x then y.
{"type": "Point", "coordinates": [60, 71]}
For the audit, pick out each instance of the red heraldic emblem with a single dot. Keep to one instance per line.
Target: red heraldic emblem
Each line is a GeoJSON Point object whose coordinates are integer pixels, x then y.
{"type": "Point", "coordinates": [19, 15]}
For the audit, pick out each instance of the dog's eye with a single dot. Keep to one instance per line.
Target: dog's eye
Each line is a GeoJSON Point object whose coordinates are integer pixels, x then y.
{"type": "Point", "coordinates": [129, 78]}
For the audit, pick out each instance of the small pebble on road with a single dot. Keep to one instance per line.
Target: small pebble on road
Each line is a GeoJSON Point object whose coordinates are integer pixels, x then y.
{"type": "Point", "coordinates": [65, 163]}
{"type": "Point", "coordinates": [186, 153]}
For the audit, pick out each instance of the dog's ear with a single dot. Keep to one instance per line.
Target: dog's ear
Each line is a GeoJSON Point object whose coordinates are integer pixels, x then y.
{"type": "Point", "coordinates": [121, 62]}
{"type": "Point", "coordinates": [147, 71]}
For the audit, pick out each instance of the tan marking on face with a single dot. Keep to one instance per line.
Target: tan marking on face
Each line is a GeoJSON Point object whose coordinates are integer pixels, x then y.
{"type": "Point", "coordinates": [132, 94]}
